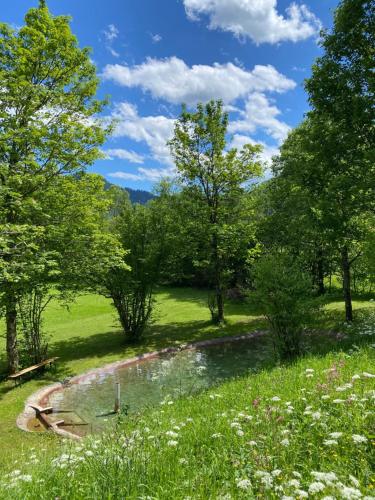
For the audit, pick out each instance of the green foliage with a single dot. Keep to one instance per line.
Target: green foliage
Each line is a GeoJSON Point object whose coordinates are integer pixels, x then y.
{"type": "Point", "coordinates": [214, 176]}
{"type": "Point", "coordinates": [47, 129]}
{"type": "Point", "coordinates": [285, 294]}
{"type": "Point", "coordinates": [131, 288]}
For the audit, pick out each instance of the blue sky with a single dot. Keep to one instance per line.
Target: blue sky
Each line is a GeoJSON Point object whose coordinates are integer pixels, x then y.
{"type": "Point", "coordinates": [152, 55]}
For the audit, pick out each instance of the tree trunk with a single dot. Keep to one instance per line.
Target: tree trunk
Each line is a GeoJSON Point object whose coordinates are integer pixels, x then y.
{"type": "Point", "coordinates": [320, 273]}
{"type": "Point", "coordinates": [220, 305]}
{"type": "Point", "coordinates": [217, 278]}
{"type": "Point", "coordinates": [346, 284]}
{"type": "Point", "coordinates": [11, 335]}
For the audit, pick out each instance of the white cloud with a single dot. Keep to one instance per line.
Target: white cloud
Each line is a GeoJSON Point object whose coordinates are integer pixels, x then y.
{"type": "Point", "coordinates": [239, 141]}
{"type": "Point", "coordinates": [260, 114]}
{"type": "Point", "coordinates": [155, 131]}
{"type": "Point", "coordinates": [145, 174]}
{"type": "Point", "coordinates": [110, 35]}
{"type": "Point", "coordinates": [123, 154]}
{"type": "Point", "coordinates": [258, 20]}
{"type": "Point", "coordinates": [173, 80]}
{"type": "Point", "coordinates": [156, 38]}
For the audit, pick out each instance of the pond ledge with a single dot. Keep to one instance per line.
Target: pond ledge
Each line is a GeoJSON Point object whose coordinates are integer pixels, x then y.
{"type": "Point", "coordinates": [40, 397]}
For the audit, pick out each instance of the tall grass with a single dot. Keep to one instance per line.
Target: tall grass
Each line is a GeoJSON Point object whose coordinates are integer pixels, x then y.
{"type": "Point", "coordinates": [298, 431]}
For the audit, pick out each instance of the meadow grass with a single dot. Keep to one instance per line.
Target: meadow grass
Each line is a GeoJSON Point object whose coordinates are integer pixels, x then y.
{"type": "Point", "coordinates": [298, 431]}
{"type": "Point", "coordinates": [87, 336]}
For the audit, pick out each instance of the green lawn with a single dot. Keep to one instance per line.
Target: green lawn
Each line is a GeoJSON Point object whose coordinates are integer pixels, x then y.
{"type": "Point", "coordinates": [88, 336]}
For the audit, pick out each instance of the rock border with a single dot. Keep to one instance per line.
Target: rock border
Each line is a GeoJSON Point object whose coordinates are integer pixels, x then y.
{"type": "Point", "coordinates": [40, 397]}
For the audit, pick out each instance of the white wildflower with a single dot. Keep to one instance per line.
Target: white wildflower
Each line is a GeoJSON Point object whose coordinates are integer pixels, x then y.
{"type": "Point", "coordinates": [276, 472]}
{"type": "Point", "coordinates": [324, 476]}
{"type": "Point", "coordinates": [285, 442]}
{"type": "Point", "coordinates": [244, 484]}
{"type": "Point", "coordinates": [335, 435]}
{"type": "Point", "coordinates": [330, 442]}
{"type": "Point", "coordinates": [171, 434]}
{"type": "Point", "coordinates": [350, 493]}
{"type": "Point", "coordinates": [357, 438]}
{"type": "Point", "coordinates": [302, 493]}
{"type": "Point", "coordinates": [316, 487]}
{"type": "Point", "coordinates": [172, 443]}
{"type": "Point", "coordinates": [294, 483]}
{"type": "Point", "coordinates": [275, 398]}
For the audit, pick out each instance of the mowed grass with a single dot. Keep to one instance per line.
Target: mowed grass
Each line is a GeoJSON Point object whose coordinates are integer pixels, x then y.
{"type": "Point", "coordinates": [87, 336]}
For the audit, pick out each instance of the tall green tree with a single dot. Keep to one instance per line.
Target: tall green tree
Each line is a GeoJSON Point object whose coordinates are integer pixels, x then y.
{"type": "Point", "coordinates": [341, 92]}
{"type": "Point", "coordinates": [47, 129]}
{"type": "Point", "coordinates": [214, 174]}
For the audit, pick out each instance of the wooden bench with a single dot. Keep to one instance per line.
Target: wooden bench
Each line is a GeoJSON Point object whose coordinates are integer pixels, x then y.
{"type": "Point", "coordinates": [18, 376]}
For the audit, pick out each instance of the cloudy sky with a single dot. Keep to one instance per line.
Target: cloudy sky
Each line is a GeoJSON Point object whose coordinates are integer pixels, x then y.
{"type": "Point", "coordinates": [153, 55]}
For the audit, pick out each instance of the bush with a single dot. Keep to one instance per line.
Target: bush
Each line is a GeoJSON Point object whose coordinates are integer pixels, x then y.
{"type": "Point", "coordinates": [286, 296]}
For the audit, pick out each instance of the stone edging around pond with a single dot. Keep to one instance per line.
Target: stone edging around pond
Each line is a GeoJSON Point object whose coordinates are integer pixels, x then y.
{"type": "Point", "coordinates": [40, 397]}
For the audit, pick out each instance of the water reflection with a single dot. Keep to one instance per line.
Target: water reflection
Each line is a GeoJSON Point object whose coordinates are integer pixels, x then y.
{"type": "Point", "coordinates": [160, 380]}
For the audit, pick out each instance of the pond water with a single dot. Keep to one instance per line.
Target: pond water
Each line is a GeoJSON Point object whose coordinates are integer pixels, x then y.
{"type": "Point", "coordinates": [156, 381]}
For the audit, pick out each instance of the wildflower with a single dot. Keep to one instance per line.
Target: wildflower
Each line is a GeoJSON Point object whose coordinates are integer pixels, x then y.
{"type": "Point", "coordinates": [252, 443]}
{"type": "Point", "coordinates": [183, 461]}
{"type": "Point", "coordinates": [285, 442]}
{"type": "Point", "coordinates": [171, 434]}
{"type": "Point", "coordinates": [89, 453]}
{"type": "Point", "coordinates": [309, 370]}
{"type": "Point", "coordinates": [316, 415]}
{"type": "Point", "coordinates": [324, 476]}
{"type": "Point", "coordinates": [276, 472]}
{"type": "Point", "coordinates": [350, 493]}
{"type": "Point", "coordinates": [296, 474]}
{"type": "Point", "coordinates": [357, 438]}
{"type": "Point", "coordinates": [240, 432]}
{"type": "Point", "coordinates": [216, 435]}
{"type": "Point", "coordinates": [356, 377]}
{"type": "Point", "coordinates": [275, 398]}
{"type": "Point", "coordinates": [172, 443]}
{"type": "Point", "coordinates": [284, 432]}
{"type": "Point", "coordinates": [316, 487]}
{"type": "Point", "coordinates": [330, 442]}
{"type": "Point", "coordinates": [368, 375]}
{"type": "Point", "coordinates": [325, 397]}
{"type": "Point", "coordinates": [244, 484]}
{"type": "Point", "coordinates": [335, 435]}
{"type": "Point", "coordinates": [344, 387]}
{"type": "Point", "coordinates": [338, 401]}
{"type": "Point", "coordinates": [26, 477]}
{"type": "Point", "coordinates": [235, 425]}
{"type": "Point", "coordinates": [294, 483]}
{"type": "Point", "coordinates": [302, 493]}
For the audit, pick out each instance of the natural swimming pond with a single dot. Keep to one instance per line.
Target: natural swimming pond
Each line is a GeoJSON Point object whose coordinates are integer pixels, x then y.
{"type": "Point", "coordinates": [156, 381]}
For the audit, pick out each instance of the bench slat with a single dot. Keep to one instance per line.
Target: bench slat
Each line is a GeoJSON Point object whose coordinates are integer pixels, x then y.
{"type": "Point", "coordinates": [32, 368]}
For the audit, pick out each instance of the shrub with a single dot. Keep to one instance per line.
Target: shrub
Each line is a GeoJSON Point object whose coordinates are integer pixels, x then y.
{"type": "Point", "coordinates": [285, 294]}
